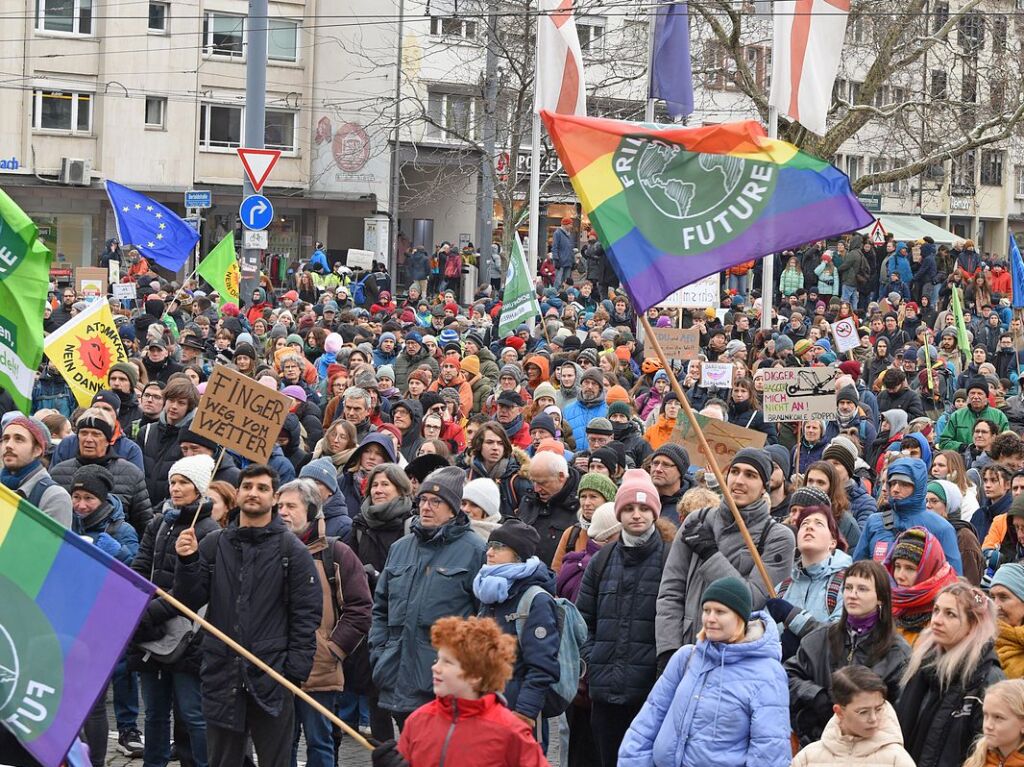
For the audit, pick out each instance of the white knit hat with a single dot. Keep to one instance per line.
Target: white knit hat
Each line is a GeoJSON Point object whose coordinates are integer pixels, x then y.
{"type": "Point", "coordinates": [604, 523]}
{"type": "Point", "coordinates": [197, 469]}
{"type": "Point", "coordinates": [484, 493]}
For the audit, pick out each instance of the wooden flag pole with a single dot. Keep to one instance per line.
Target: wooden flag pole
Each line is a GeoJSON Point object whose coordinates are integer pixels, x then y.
{"type": "Point", "coordinates": [729, 500]}
{"type": "Point", "coordinates": [199, 507]}
{"type": "Point", "coordinates": [294, 689]}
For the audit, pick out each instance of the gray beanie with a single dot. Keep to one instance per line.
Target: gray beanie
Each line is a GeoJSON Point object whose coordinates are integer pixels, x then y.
{"type": "Point", "coordinates": [446, 483]}
{"type": "Point", "coordinates": [386, 371]}
{"type": "Point", "coordinates": [783, 343]}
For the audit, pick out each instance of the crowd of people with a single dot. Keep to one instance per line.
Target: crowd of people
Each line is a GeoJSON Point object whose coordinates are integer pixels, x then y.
{"type": "Point", "coordinates": [472, 548]}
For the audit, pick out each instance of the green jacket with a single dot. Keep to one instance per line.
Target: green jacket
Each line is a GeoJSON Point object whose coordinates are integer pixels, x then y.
{"type": "Point", "coordinates": [959, 430]}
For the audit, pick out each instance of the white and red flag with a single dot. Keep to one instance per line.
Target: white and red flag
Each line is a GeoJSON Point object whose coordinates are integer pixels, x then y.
{"type": "Point", "coordinates": [808, 46]}
{"type": "Point", "coordinates": [560, 86]}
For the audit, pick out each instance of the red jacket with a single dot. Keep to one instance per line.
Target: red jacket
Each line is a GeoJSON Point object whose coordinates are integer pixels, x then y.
{"type": "Point", "coordinates": [522, 437]}
{"type": "Point", "coordinates": [482, 732]}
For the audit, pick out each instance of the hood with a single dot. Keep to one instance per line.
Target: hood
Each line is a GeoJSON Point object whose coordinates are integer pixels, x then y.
{"type": "Point", "coordinates": [415, 408]}
{"type": "Point", "coordinates": [155, 308]}
{"type": "Point", "coordinates": [919, 474]}
{"type": "Point", "coordinates": [373, 438]}
{"type": "Point", "coordinates": [897, 420]}
{"type": "Point", "coordinates": [926, 450]}
{"type": "Point", "coordinates": [761, 641]}
{"type": "Point", "coordinates": [262, 293]}
{"type": "Point", "coordinates": [335, 506]}
{"type": "Point", "coordinates": [888, 348]}
{"type": "Point", "coordinates": [541, 362]}
{"type": "Point", "coordinates": [861, 749]}
{"type": "Point", "coordinates": [292, 428]}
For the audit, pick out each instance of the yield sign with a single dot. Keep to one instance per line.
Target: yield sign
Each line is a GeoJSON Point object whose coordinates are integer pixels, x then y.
{"type": "Point", "coordinates": [877, 235]}
{"type": "Point", "coordinates": [258, 163]}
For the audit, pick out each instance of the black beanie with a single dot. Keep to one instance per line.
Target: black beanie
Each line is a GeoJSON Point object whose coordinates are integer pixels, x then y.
{"type": "Point", "coordinates": [522, 538]}
{"type": "Point", "coordinates": [758, 460]}
{"type": "Point", "coordinates": [97, 423]}
{"type": "Point", "coordinates": [675, 453]}
{"type": "Point", "coordinates": [93, 478]}
{"type": "Point", "coordinates": [187, 435]}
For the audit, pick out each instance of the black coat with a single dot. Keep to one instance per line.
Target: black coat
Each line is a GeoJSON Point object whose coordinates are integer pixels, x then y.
{"type": "Point", "coordinates": [618, 600]}
{"type": "Point", "coordinates": [156, 561]}
{"type": "Point", "coordinates": [129, 486]}
{"type": "Point", "coordinates": [240, 572]}
{"type": "Point", "coordinates": [160, 449]}
{"type": "Point", "coordinates": [940, 726]}
{"type": "Point", "coordinates": [553, 518]}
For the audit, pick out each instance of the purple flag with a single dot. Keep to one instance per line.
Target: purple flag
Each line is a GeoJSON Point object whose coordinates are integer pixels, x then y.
{"type": "Point", "coordinates": [671, 76]}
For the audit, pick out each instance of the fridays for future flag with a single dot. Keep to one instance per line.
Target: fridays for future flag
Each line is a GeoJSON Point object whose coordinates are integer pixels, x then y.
{"type": "Point", "coordinates": [519, 301]}
{"type": "Point", "coordinates": [24, 282]}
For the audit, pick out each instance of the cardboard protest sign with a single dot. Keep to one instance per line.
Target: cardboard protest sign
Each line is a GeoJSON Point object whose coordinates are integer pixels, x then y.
{"type": "Point", "coordinates": [678, 343]}
{"type": "Point", "coordinates": [799, 394]}
{"type": "Point", "coordinates": [124, 291]}
{"type": "Point", "coordinates": [716, 375]}
{"type": "Point", "coordinates": [724, 439]}
{"type": "Point", "coordinates": [845, 332]}
{"type": "Point", "coordinates": [90, 282]}
{"type": "Point", "coordinates": [241, 414]}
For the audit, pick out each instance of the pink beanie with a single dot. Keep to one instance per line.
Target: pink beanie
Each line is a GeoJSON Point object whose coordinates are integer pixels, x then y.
{"type": "Point", "coordinates": [637, 487]}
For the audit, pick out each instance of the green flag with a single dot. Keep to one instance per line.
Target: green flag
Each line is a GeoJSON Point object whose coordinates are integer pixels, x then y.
{"type": "Point", "coordinates": [961, 327]}
{"type": "Point", "coordinates": [220, 269]}
{"type": "Point", "coordinates": [24, 283]}
{"type": "Point", "coordinates": [519, 301]}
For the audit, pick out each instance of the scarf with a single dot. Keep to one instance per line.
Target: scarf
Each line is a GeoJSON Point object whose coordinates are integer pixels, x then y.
{"type": "Point", "coordinates": [636, 541]}
{"type": "Point", "coordinates": [12, 479]}
{"type": "Point", "coordinates": [96, 518]}
{"type": "Point", "coordinates": [491, 585]}
{"type": "Point", "coordinates": [512, 428]}
{"type": "Point", "coordinates": [385, 514]}
{"type": "Point", "coordinates": [862, 624]}
{"type": "Point", "coordinates": [583, 522]}
{"type": "Point", "coordinates": [912, 605]}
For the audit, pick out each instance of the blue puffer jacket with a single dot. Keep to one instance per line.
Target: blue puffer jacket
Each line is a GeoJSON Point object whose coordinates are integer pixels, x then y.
{"type": "Point", "coordinates": [579, 414]}
{"type": "Point", "coordinates": [114, 525]}
{"type": "Point", "coordinates": [907, 513]}
{"type": "Point", "coordinates": [536, 666]}
{"type": "Point", "coordinates": [337, 522]}
{"type": "Point", "coordinates": [716, 703]}
{"type": "Point", "coordinates": [428, 575]}
{"type": "Point", "coordinates": [862, 505]}
{"type": "Point", "coordinates": [807, 588]}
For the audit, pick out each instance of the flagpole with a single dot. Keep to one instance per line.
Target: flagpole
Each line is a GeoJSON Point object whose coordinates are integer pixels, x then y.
{"type": "Point", "coordinates": [768, 262]}
{"type": "Point", "coordinates": [534, 226]}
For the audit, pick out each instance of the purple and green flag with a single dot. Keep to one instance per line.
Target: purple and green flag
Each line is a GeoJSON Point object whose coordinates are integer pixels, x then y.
{"type": "Point", "coordinates": [673, 205]}
{"type": "Point", "coordinates": [1016, 273]}
{"type": "Point", "coordinates": [67, 611]}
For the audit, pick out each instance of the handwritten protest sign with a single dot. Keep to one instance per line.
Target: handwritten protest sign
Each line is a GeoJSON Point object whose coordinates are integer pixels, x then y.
{"type": "Point", "coordinates": [697, 295]}
{"type": "Point", "coordinates": [724, 439]}
{"type": "Point", "coordinates": [678, 343]}
{"type": "Point", "coordinates": [241, 414]}
{"type": "Point", "coordinates": [716, 375]}
{"type": "Point", "coordinates": [799, 394]}
{"type": "Point", "coordinates": [124, 291]}
{"type": "Point", "coordinates": [845, 332]}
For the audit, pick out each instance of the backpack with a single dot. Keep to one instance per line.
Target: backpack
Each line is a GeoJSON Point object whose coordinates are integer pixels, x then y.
{"type": "Point", "coordinates": [572, 633]}
{"type": "Point", "coordinates": [863, 275]}
{"type": "Point", "coordinates": [359, 291]}
{"type": "Point", "coordinates": [39, 490]}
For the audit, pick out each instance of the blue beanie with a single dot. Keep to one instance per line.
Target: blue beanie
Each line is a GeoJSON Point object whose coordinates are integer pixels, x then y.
{"type": "Point", "coordinates": [1010, 576]}
{"type": "Point", "coordinates": [386, 337]}
{"type": "Point", "coordinates": [321, 470]}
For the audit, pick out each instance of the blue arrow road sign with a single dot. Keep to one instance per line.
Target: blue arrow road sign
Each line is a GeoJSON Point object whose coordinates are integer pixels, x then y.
{"type": "Point", "coordinates": [198, 198]}
{"type": "Point", "coordinates": [256, 212]}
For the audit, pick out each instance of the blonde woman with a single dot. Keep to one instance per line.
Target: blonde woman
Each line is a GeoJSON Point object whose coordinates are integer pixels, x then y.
{"type": "Point", "coordinates": [1003, 737]}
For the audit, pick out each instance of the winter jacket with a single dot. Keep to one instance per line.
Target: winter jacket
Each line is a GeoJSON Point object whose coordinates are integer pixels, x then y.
{"type": "Point", "coordinates": [862, 504]}
{"type": "Point", "coordinates": [337, 520]}
{"type": "Point", "coordinates": [462, 386]}
{"type": "Point", "coordinates": [456, 732]}
{"type": "Point", "coordinates": [742, 414]}
{"type": "Point", "coordinates": [156, 561]}
{"type": "Point", "coordinates": [810, 672]}
{"type": "Point", "coordinates": [686, 576]}
{"type": "Point", "coordinates": [377, 528]}
{"type": "Point", "coordinates": [791, 281]}
{"type": "Point", "coordinates": [428, 575]}
{"type": "Point", "coordinates": [907, 400]}
{"type": "Point", "coordinates": [959, 430]}
{"type": "Point", "coordinates": [536, 666]}
{"type": "Point", "coordinates": [882, 527]}
{"type": "Point", "coordinates": [618, 600]}
{"type": "Point", "coordinates": [660, 433]}
{"type": "Point", "coordinates": [122, 446]}
{"type": "Point", "coordinates": [579, 413]}
{"type": "Point", "coordinates": [716, 703]}
{"type": "Point", "coordinates": [405, 364]}
{"type": "Point", "coordinates": [311, 419]}
{"type": "Point", "coordinates": [129, 486]}
{"type": "Point", "coordinates": [562, 248]}
{"type": "Point", "coordinates": [240, 572]}
{"type": "Point", "coordinates": [574, 563]}
{"type": "Point", "coordinates": [55, 501]}
{"type": "Point", "coordinates": [629, 436]}
{"type": "Point", "coordinates": [1010, 649]}
{"type": "Point", "coordinates": [513, 486]}
{"type": "Point", "coordinates": [828, 279]}
{"type": "Point", "coordinates": [939, 725]}
{"type": "Point", "coordinates": [160, 449]}
{"type": "Point", "coordinates": [553, 517]}
{"type": "Point", "coordinates": [883, 749]}
{"type": "Point", "coordinates": [807, 588]}
{"type": "Point", "coordinates": [112, 523]}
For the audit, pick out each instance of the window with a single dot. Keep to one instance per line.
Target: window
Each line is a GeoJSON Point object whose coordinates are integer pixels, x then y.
{"type": "Point", "coordinates": [62, 111]}
{"type": "Point", "coordinates": [898, 186]}
{"type": "Point", "coordinates": [882, 96]}
{"type": "Point", "coordinates": [877, 165]}
{"type": "Point", "coordinates": [451, 116]}
{"type": "Point", "coordinates": [853, 166]}
{"type": "Point", "coordinates": [940, 85]}
{"type": "Point", "coordinates": [969, 84]}
{"type": "Point", "coordinates": [70, 16]}
{"type": "Point", "coordinates": [855, 91]}
{"type": "Point", "coordinates": [899, 95]}
{"type": "Point", "coordinates": [156, 112]}
{"type": "Point", "coordinates": [940, 16]}
{"type": "Point", "coordinates": [997, 95]}
{"type": "Point", "coordinates": [992, 167]}
{"type": "Point", "coordinates": [591, 33]}
{"type": "Point", "coordinates": [283, 40]}
{"type": "Point", "coordinates": [444, 26]}
{"type": "Point", "coordinates": [222, 34]}
{"type": "Point", "coordinates": [999, 34]}
{"type": "Point", "coordinates": [279, 130]}
{"type": "Point", "coordinates": [220, 126]}
{"type": "Point", "coordinates": [859, 30]}
{"type": "Point", "coordinates": [962, 171]}
{"type": "Point", "coordinates": [1018, 173]}
{"type": "Point", "coordinates": [158, 17]}
{"type": "Point", "coordinates": [758, 60]}
{"type": "Point", "coordinates": [971, 29]}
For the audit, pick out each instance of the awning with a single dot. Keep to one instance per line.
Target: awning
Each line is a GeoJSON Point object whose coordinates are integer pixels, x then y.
{"type": "Point", "coordinates": [904, 227]}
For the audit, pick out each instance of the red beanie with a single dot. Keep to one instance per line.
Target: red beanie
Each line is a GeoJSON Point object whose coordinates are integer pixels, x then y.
{"type": "Point", "coordinates": [851, 368]}
{"type": "Point", "coordinates": [637, 487]}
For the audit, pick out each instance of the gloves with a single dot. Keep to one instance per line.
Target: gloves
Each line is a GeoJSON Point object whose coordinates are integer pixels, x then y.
{"type": "Point", "coordinates": [107, 544]}
{"type": "Point", "coordinates": [780, 610]}
{"type": "Point", "coordinates": [702, 541]}
{"type": "Point", "coordinates": [790, 644]}
{"type": "Point", "coordinates": [387, 755]}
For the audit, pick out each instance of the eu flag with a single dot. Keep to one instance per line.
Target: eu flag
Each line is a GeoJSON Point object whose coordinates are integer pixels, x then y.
{"type": "Point", "coordinates": [1016, 273]}
{"type": "Point", "coordinates": [158, 232]}
{"type": "Point", "coordinates": [671, 77]}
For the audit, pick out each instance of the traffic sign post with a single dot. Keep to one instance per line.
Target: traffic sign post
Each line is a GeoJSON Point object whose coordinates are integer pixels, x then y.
{"type": "Point", "coordinates": [198, 198]}
{"type": "Point", "coordinates": [877, 235]}
{"type": "Point", "coordinates": [257, 164]}
{"type": "Point", "coordinates": [256, 212]}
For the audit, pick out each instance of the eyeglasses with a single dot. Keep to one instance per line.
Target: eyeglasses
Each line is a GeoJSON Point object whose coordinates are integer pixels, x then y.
{"type": "Point", "coordinates": [430, 502]}
{"type": "Point", "coordinates": [497, 545]}
{"type": "Point", "coordinates": [152, 396]}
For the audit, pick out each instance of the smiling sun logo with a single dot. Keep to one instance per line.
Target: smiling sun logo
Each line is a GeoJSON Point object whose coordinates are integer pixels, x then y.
{"type": "Point", "coordinates": [95, 356]}
{"type": "Point", "coordinates": [231, 281]}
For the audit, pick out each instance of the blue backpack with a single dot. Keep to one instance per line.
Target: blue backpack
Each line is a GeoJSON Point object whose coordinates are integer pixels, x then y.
{"type": "Point", "coordinates": [572, 633]}
{"type": "Point", "coordinates": [359, 291]}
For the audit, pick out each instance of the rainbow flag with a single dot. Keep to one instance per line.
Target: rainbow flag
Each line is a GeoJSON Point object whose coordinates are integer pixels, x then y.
{"type": "Point", "coordinates": [673, 205]}
{"type": "Point", "coordinates": [67, 610]}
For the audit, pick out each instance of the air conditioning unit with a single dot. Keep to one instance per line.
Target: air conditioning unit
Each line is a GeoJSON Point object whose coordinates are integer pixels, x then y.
{"type": "Point", "coordinates": [75, 172]}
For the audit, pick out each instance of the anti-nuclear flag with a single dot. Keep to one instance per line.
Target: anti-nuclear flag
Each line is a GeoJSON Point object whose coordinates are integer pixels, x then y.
{"type": "Point", "coordinates": [67, 610]}
{"type": "Point", "coordinates": [673, 205]}
{"type": "Point", "coordinates": [519, 301]}
{"type": "Point", "coordinates": [84, 348]}
{"type": "Point", "coordinates": [24, 282]}
{"type": "Point", "coordinates": [220, 269]}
